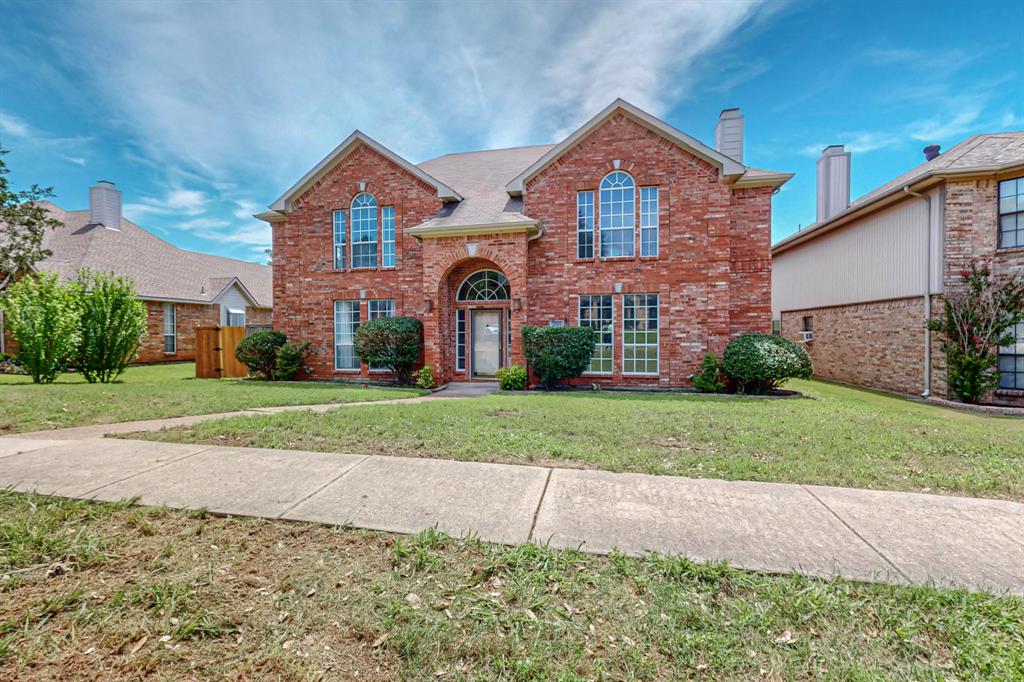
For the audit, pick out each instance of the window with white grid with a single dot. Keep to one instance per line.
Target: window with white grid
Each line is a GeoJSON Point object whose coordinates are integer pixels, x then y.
{"type": "Point", "coordinates": [346, 321]}
{"type": "Point", "coordinates": [584, 224]}
{"type": "Point", "coordinates": [1011, 213]}
{"type": "Point", "coordinates": [339, 240]}
{"type": "Point", "coordinates": [640, 334]}
{"type": "Point", "coordinates": [387, 236]}
{"type": "Point", "coordinates": [1011, 361]}
{"type": "Point", "coordinates": [617, 217]}
{"type": "Point", "coordinates": [596, 313]}
{"type": "Point", "coordinates": [170, 328]}
{"type": "Point", "coordinates": [364, 231]}
{"type": "Point", "coordinates": [648, 221]}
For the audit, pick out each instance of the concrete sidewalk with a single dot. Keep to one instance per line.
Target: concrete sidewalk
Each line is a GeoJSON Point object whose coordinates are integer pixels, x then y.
{"type": "Point", "coordinates": [818, 531]}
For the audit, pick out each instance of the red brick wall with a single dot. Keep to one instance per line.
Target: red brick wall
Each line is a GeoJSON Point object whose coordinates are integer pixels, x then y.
{"type": "Point", "coordinates": [258, 315]}
{"type": "Point", "coordinates": [189, 316]}
{"type": "Point", "coordinates": [712, 275]}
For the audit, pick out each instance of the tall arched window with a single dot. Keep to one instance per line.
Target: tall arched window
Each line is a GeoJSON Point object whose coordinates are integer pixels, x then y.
{"type": "Point", "coordinates": [617, 214]}
{"type": "Point", "coordinates": [364, 231]}
{"type": "Point", "coordinates": [484, 285]}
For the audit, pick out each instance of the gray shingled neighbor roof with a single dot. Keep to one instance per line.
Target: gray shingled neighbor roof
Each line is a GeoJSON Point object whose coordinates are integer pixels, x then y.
{"type": "Point", "coordinates": [981, 153]}
{"type": "Point", "coordinates": [480, 178]}
{"type": "Point", "coordinates": [160, 270]}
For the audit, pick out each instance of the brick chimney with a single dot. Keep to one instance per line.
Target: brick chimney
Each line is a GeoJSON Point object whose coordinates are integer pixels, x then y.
{"type": "Point", "coordinates": [105, 205]}
{"type": "Point", "coordinates": [729, 134]}
{"type": "Point", "coordinates": [833, 181]}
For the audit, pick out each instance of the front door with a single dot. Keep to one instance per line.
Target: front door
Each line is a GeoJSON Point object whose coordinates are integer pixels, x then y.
{"type": "Point", "coordinates": [486, 340]}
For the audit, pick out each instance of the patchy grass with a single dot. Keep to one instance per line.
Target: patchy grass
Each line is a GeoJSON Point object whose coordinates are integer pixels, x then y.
{"type": "Point", "coordinates": [173, 595]}
{"type": "Point", "coordinates": [835, 435]}
{"type": "Point", "coordinates": [154, 391]}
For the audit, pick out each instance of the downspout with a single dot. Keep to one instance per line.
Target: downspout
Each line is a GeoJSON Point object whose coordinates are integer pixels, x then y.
{"type": "Point", "coordinates": [927, 292]}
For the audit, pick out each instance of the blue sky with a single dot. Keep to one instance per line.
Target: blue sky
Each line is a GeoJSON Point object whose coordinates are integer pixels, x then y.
{"type": "Point", "coordinates": [203, 113]}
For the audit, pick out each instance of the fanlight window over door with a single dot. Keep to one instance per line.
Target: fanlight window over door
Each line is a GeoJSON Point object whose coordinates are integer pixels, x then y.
{"type": "Point", "coordinates": [484, 285]}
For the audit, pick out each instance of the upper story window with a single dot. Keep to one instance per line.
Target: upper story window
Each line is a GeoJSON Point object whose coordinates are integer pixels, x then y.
{"type": "Point", "coordinates": [339, 240]}
{"type": "Point", "coordinates": [584, 224]}
{"type": "Point", "coordinates": [387, 237]}
{"type": "Point", "coordinates": [484, 285]}
{"type": "Point", "coordinates": [1011, 213]}
{"type": "Point", "coordinates": [649, 221]}
{"type": "Point", "coordinates": [617, 215]}
{"type": "Point", "coordinates": [364, 231]}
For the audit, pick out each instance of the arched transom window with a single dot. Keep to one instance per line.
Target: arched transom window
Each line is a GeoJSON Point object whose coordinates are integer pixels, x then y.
{"type": "Point", "coordinates": [618, 193]}
{"type": "Point", "coordinates": [484, 285]}
{"type": "Point", "coordinates": [364, 231]}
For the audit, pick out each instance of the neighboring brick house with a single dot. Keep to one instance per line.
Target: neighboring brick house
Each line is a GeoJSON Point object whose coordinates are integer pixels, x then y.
{"type": "Point", "coordinates": [853, 285]}
{"type": "Point", "coordinates": [628, 225]}
{"type": "Point", "coordinates": [182, 289]}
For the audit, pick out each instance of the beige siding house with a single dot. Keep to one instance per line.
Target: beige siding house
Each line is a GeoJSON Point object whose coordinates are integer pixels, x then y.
{"type": "Point", "coordinates": [858, 285]}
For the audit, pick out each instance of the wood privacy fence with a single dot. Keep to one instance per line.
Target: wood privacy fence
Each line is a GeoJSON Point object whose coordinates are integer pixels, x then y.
{"type": "Point", "coordinates": [215, 352]}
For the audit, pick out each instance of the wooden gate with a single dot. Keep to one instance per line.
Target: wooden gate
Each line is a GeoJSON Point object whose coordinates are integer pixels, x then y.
{"type": "Point", "coordinates": [215, 352]}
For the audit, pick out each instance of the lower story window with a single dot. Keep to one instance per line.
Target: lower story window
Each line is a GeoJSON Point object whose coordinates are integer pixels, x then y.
{"type": "Point", "coordinates": [346, 321]}
{"type": "Point", "coordinates": [380, 308]}
{"type": "Point", "coordinates": [236, 317]}
{"type": "Point", "coordinates": [170, 328]}
{"type": "Point", "coordinates": [640, 334]}
{"type": "Point", "coordinates": [460, 340]}
{"type": "Point", "coordinates": [1011, 362]}
{"type": "Point", "coordinates": [596, 313]}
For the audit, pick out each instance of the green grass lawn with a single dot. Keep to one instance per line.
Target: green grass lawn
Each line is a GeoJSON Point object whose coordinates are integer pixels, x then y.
{"type": "Point", "coordinates": [154, 391]}
{"type": "Point", "coordinates": [835, 435]}
{"type": "Point", "coordinates": [111, 591]}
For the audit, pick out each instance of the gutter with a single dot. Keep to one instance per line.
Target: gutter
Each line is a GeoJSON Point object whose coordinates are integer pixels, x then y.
{"type": "Point", "coordinates": [927, 291]}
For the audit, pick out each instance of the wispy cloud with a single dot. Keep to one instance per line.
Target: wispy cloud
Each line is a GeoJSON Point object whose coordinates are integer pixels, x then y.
{"type": "Point", "coordinates": [857, 142]}
{"type": "Point", "coordinates": [177, 202]}
{"type": "Point", "coordinates": [14, 126]}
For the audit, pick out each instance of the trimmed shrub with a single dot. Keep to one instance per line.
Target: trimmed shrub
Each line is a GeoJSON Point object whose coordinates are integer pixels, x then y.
{"type": "Point", "coordinates": [425, 377]}
{"type": "Point", "coordinates": [112, 323]}
{"type": "Point", "coordinates": [289, 359]}
{"type": "Point", "coordinates": [757, 363]}
{"type": "Point", "coordinates": [258, 352]}
{"type": "Point", "coordinates": [42, 315]}
{"type": "Point", "coordinates": [711, 377]}
{"type": "Point", "coordinates": [557, 353]}
{"type": "Point", "coordinates": [512, 378]}
{"type": "Point", "coordinates": [391, 342]}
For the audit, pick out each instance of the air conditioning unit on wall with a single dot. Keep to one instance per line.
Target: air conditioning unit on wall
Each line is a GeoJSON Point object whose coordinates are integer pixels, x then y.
{"type": "Point", "coordinates": [806, 336]}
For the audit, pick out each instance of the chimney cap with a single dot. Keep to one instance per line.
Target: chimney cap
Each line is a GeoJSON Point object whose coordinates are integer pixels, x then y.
{"type": "Point", "coordinates": [931, 151]}
{"type": "Point", "coordinates": [734, 112]}
{"type": "Point", "coordinates": [105, 183]}
{"type": "Point", "coordinates": [833, 149]}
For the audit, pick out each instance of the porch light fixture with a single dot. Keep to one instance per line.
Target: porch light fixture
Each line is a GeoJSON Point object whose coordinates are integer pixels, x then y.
{"type": "Point", "coordinates": [430, 305]}
{"type": "Point", "coordinates": [616, 164]}
{"type": "Point", "coordinates": [471, 250]}
{"type": "Point", "coordinates": [362, 186]}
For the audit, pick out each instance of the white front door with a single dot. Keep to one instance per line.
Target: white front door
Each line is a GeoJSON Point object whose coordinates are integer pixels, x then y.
{"type": "Point", "coordinates": [486, 340]}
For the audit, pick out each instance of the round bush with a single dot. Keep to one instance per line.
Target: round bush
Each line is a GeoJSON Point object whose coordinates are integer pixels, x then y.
{"type": "Point", "coordinates": [757, 363]}
{"type": "Point", "coordinates": [557, 353]}
{"type": "Point", "coordinates": [392, 342]}
{"type": "Point", "coordinates": [258, 352]}
{"type": "Point", "coordinates": [512, 378]}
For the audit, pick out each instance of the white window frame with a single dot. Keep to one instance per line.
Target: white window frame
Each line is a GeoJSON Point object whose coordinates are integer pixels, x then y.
{"type": "Point", "coordinates": [611, 344]}
{"type": "Point", "coordinates": [387, 237]}
{"type": "Point", "coordinates": [657, 343]}
{"type": "Point", "coordinates": [235, 311]}
{"type": "Point", "coordinates": [340, 227]}
{"type": "Point", "coordinates": [1014, 353]}
{"type": "Point", "coordinates": [585, 223]}
{"type": "Point", "coordinates": [460, 339]}
{"type": "Point", "coordinates": [605, 213]}
{"type": "Point", "coordinates": [171, 316]}
{"type": "Point", "coordinates": [1010, 195]}
{"type": "Point", "coordinates": [650, 209]}
{"type": "Point", "coordinates": [361, 215]}
{"type": "Point", "coordinates": [349, 317]}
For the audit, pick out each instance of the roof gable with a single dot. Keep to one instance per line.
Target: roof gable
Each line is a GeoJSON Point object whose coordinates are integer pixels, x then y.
{"type": "Point", "coordinates": [284, 202]}
{"type": "Point", "coordinates": [726, 165]}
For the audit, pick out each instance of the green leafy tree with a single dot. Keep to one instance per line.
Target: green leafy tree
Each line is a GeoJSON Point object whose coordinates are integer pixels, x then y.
{"type": "Point", "coordinates": [391, 342]}
{"type": "Point", "coordinates": [23, 223]}
{"type": "Point", "coordinates": [975, 322]}
{"type": "Point", "coordinates": [258, 352]}
{"type": "Point", "coordinates": [758, 363]}
{"type": "Point", "coordinates": [557, 353]}
{"type": "Point", "coordinates": [43, 316]}
{"type": "Point", "coordinates": [112, 324]}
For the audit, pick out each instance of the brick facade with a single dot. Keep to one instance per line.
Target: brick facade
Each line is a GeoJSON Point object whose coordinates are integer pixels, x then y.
{"type": "Point", "coordinates": [712, 272]}
{"type": "Point", "coordinates": [189, 316]}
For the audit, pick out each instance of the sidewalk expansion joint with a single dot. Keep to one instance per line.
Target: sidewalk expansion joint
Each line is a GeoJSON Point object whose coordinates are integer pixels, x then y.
{"type": "Point", "coordinates": [859, 536]}
{"type": "Point", "coordinates": [144, 471]}
{"type": "Point", "coordinates": [322, 488]}
{"type": "Point", "coordinates": [536, 512]}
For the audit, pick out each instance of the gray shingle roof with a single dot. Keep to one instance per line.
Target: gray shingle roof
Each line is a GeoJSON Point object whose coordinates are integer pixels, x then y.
{"type": "Point", "coordinates": [160, 270]}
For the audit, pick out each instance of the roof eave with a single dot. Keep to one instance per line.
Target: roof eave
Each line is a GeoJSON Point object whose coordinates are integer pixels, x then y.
{"type": "Point", "coordinates": [271, 216]}
{"type": "Point", "coordinates": [775, 181]}
{"type": "Point", "coordinates": [283, 203]}
{"type": "Point", "coordinates": [434, 231]}
{"type": "Point", "coordinates": [727, 165]}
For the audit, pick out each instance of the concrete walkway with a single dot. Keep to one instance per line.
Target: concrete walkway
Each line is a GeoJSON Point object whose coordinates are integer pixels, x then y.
{"type": "Point", "coordinates": [818, 531]}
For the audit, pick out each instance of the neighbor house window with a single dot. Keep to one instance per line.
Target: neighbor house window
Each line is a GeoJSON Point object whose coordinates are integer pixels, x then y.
{"type": "Point", "coordinates": [236, 317]}
{"type": "Point", "coordinates": [640, 334]}
{"type": "Point", "coordinates": [1011, 361]}
{"type": "Point", "coordinates": [170, 328]}
{"type": "Point", "coordinates": [617, 217]}
{"type": "Point", "coordinates": [584, 224]}
{"type": "Point", "coordinates": [339, 240]}
{"type": "Point", "coordinates": [364, 231]}
{"type": "Point", "coordinates": [460, 340]}
{"type": "Point", "coordinates": [387, 237]}
{"type": "Point", "coordinates": [1011, 213]}
{"type": "Point", "coordinates": [346, 321]}
{"type": "Point", "coordinates": [380, 308]}
{"type": "Point", "coordinates": [596, 313]}
{"type": "Point", "coordinates": [648, 221]}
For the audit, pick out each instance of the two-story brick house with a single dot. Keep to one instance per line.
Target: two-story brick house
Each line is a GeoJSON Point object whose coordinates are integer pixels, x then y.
{"type": "Point", "coordinates": [630, 226]}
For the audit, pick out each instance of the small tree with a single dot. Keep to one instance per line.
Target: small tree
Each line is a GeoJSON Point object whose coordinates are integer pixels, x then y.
{"type": "Point", "coordinates": [289, 359]}
{"type": "Point", "coordinates": [975, 322]}
{"type": "Point", "coordinates": [758, 363]}
{"type": "Point", "coordinates": [113, 322]}
{"type": "Point", "coordinates": [711, 377]}
{"type": "Point", "coordinates": [258, 352]}
{"type": "Point", "coordinates": [391, 342]}
{"type": "Point", "coordinates": [42, 314]}
{"type": "Point", "coordinates": [23, 223]}
{"type": "Point", "coordinates": [557, 353]}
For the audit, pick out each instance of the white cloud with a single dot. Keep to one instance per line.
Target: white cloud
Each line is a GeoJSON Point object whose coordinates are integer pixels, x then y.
{"type": "Point", "coordinates": [858, 143]}
{"type": "Point", "coordinates": [1011, 120]}
{"type": "Point", "coordinates": [176, 202]}
{"type": "Point", "coordinates": [77, 160]}
{"type": "Point", "coordinates": [12, 125]}
{"type": "Point", "coordinates": [953, 125]}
